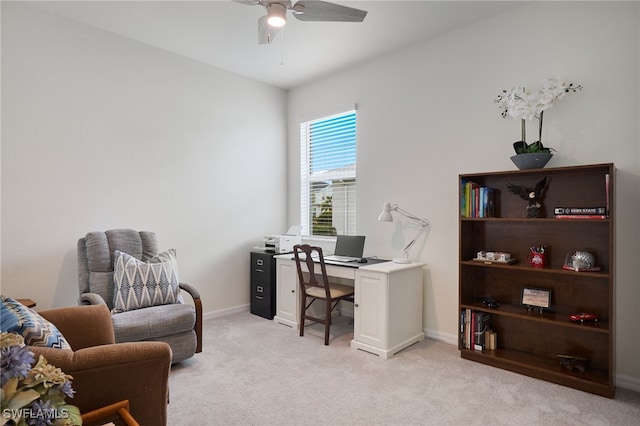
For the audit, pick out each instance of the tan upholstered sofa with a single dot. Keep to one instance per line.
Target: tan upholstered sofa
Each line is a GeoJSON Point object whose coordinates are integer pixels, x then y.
{"type": "Point", "coordinates": [105, 372]}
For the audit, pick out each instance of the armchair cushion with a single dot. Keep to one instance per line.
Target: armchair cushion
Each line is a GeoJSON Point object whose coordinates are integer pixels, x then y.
{"type": "Point", "coordinates": [153, 322]}
{"type": "Point", "coordinates": [141, 284]}
{"type": "Point", "coordinates": [37, 331]}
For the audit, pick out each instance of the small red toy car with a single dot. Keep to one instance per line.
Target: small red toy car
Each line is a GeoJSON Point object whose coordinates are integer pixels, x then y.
{"type": "Point", "coordinates": [584, 316]}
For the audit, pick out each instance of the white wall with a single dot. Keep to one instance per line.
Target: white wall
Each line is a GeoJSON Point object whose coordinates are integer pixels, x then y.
{"type": "Point", "coordinates": [425, 115]}
{"type": "Point", "coordinates": [101, 132]}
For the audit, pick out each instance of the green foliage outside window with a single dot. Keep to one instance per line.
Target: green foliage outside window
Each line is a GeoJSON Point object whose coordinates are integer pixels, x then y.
{"type": "Point", "coordinates": [322, 224]}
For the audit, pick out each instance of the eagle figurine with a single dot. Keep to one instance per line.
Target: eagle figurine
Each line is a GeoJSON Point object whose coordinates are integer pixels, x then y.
{"type": "Point", "coordinates": [533, 196]}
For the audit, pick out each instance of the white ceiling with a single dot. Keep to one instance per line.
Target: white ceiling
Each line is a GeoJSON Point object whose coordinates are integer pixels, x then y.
{"type": "Point", "coordinates": [223, 33]}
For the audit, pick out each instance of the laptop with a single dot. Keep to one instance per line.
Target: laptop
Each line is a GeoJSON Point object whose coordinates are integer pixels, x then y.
{"type": "Point", "coordinates": [349, 248]}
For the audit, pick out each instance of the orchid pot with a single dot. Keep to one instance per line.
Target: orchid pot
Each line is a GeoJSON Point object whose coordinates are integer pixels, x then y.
{"type": "Point", "coordinates": [518, 103]}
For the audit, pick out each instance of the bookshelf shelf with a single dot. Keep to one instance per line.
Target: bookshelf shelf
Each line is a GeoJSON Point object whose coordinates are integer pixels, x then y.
{"type": "Point", "coordinates": [521, 267]}
{"type": "Point", "coordinates": [554, 318]}
{"type": "Point", "coordinates": [529, 220]}
{"type": "Point", "coordinates": [529, 342]}
{"type": "Point", "coordinates": [593, 380]}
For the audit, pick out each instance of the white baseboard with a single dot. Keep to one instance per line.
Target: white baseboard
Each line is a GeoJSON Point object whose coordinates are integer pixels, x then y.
{"type": "Point", "coordinates": [225, 311]}
{"type": "Point", "coordinates": [451, 339]}
{"type": "Point", "coordinates": [628, 382]}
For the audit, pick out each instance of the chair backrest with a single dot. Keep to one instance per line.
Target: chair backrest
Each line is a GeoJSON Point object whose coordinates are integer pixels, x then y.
{"type": "Point", "coordinates": [307, 274]}
{"type": "Point", "coordinates": [96, 257]}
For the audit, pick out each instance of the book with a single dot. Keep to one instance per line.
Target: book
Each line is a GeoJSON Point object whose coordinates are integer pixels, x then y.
{"type": "Point", "coordinates": [467, 329]}
{"type": "Point", "coordinates": [481, 324]}
{"type": "Point", "coordinates": [580, 210]}
{"type": "Point", "coordinates": [476, 201]}
{"type": "Point", "coordinates": [607, 183]}
{"type": "Point", "coordinates": [461, 340]}
{"type": "Point", "coordinates": [581, 216]}
{"type": "Point", "coordinates": [490, 340]}
{"type": "Point", "coordinates": [463, 198]}
{"type": "Point", "coordinates": [474, 326]}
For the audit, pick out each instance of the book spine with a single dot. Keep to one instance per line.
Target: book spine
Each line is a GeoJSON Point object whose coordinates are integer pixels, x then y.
{"type": "Point", "coordinates": [467, 197]}
{"type": "Point", "coordinates": [607, 184]}
{"type": "Point", "coordinates": [490, 203]}
{"type": "Point", "coordinates": [463, 200]}
{"type": "Point", "coordinates": [472, 343]}
{"type": "Point", "coordinates": [467, 329]}
{"type": "Point", "coordinates": [482, 320]}
{"type": "Point", "coordinates": [478, 335]}
{"type": "Point", "coordinates": [581, 216]}
{"type": "Point", "coordinates": [462, 320]}
{"type": "Point", "coordinates": [490, 339]}
{"type": "Point", "coordinates": [580, 210]}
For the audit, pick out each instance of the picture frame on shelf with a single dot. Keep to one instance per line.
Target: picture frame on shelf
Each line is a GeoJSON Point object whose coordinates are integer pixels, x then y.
{"type": "Point", "coordinates": [536, 298]}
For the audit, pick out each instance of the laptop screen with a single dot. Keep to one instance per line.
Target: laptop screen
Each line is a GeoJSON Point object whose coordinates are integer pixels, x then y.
{"type": "Point", "coordinates": [349, 245]}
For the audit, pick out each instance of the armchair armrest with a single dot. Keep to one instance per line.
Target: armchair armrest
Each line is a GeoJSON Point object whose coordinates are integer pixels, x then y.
{"type": "Point", "coordinates": [195, 295]}
{"type": "Point", "coordinates": [83, 326]}
{"type": "Point", "coordinates": [193, 292]}
{"type": "Point", "coordinates": [102, 375]}
{"type": "Point", "coordinates": [91, 299]}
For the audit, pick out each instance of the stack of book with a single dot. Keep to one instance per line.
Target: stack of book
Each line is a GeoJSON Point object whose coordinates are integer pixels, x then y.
{"type": "Point", "coordinates": [601, 212]}
{"type": "Point", "coordinates": [474, 330]}
{"type": "Point", "coordinates": [580, 212]}
{"type": "Point", "coordinates": [476, 200]}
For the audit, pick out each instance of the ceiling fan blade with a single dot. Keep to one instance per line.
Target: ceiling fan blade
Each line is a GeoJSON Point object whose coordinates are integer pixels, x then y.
{"type": "Point", "coordinates": [315, 10]}
{"type": "Point", "coordinates": [266, 33]}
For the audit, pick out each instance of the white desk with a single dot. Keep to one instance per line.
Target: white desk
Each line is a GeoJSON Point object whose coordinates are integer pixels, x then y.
{"type": "Point", "coordinates": [387, 308]}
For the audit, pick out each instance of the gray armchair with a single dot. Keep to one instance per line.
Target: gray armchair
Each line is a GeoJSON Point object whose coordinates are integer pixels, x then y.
{"type": "Point", "coordinates": [178, 324]}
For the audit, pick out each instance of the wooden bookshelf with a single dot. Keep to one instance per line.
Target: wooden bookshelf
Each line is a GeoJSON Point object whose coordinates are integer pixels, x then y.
{"type": "Point", "coordinates": [529, 342]}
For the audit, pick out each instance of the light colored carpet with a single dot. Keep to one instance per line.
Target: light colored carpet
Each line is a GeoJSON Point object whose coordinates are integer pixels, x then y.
{"type": "Point", "coordinates": [255, 372]}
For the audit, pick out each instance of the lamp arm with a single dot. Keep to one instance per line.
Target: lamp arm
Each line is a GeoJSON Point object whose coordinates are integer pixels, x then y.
{"type": "Point", "coordinates": [423, 222]}
{"type": "Point", "coordinates": [422, 228]}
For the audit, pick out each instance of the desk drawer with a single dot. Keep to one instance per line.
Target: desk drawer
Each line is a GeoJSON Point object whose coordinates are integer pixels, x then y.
{"type": "Point", "coordinates": [340, 271]}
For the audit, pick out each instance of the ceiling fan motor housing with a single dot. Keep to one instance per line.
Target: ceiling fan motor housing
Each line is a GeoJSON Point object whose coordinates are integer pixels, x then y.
{"type": "Point", "coordinates": [303, 10]}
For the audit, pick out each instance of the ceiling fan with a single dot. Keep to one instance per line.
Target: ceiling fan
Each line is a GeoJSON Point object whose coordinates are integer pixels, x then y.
{"type": "Point", "coordinates": [304, 10]}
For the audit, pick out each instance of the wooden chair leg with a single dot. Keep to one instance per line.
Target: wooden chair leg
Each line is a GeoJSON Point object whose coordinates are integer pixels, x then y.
{"type": "Point", "coordinates": [303, 302]}
{"type": "Point", "coordinates": [327, 321]}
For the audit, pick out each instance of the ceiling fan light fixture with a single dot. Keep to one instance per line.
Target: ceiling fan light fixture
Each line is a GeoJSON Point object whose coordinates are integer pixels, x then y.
{"type": "Point", "coordinates": [277, 15]}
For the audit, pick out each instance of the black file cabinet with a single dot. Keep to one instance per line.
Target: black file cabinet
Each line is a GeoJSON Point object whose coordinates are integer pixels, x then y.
{"type": "Point", "coordinates": [263, 283]}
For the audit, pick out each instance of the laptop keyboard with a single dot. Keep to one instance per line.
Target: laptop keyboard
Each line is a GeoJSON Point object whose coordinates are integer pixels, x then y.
{"type": "Point", "coordinates": [338, 258]}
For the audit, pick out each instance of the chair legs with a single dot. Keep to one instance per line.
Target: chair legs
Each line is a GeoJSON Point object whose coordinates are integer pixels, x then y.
{"type": "Point", "coordinates": [303, 311]}
{"type": "Point", "coordinates": [327, 320]}
{"type": "Point", "coordinates": [328, 308]}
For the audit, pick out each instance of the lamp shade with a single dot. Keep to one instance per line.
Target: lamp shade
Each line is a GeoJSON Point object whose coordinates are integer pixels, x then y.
{"type": "Point", "coordinates": [385, 216]}
{"type": "Point", "coordinates": [277, 15]}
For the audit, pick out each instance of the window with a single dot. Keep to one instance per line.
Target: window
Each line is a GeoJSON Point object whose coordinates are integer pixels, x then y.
{"type": "Point", "coordinates": [328, 175]}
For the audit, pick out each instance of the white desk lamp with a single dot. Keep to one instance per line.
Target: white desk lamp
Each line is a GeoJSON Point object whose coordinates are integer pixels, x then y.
{"type": "Point", "coordinates": [386, 216]}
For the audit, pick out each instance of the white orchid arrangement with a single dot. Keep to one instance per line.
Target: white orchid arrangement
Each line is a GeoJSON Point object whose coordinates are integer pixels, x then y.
{"type": "Point", "coordinates": [519, 103]}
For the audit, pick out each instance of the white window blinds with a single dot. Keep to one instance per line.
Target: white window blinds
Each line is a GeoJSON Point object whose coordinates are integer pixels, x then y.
{"type": "Point", "coordinates": [328, 175]}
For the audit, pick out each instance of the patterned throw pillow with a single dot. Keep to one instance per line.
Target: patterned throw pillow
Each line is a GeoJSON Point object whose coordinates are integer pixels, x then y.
{"type": "Point", "coordinates": [37, 331]}
{"type": "Point", "coordinates": [142, 284]}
